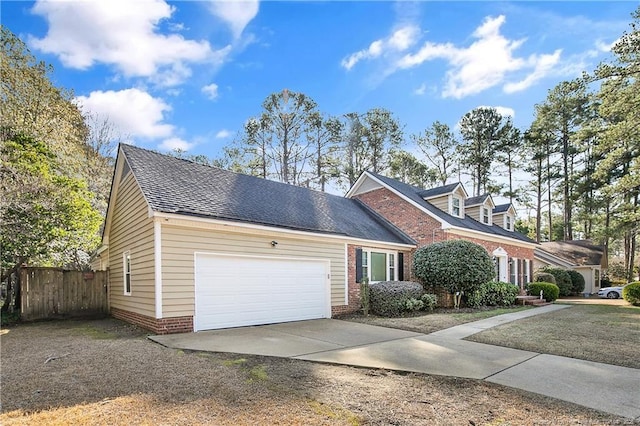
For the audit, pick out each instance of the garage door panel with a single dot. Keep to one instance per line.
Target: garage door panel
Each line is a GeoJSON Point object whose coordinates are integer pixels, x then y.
{"type": "Point", "coordinates": [238, 291]}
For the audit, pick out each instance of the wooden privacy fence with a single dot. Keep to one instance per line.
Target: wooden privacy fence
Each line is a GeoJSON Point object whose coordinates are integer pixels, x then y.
{"type": "Point", "coordinates": [53, 292]}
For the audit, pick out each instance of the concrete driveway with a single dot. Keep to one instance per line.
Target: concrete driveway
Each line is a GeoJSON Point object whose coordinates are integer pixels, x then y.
{"type": "Point", "coordinates": [603, 387]}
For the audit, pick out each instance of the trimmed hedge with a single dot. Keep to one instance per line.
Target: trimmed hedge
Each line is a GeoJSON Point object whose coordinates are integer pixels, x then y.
{"type": "Point", "coordinates": [389, 298]}
{"type": "Point", "coordinates": [493, 293]}
{"type": "Point", "coordinates": [563, 280]}
{"type": "Point", "coordinates": [577, 281]}
{"type": "Point", "coordinates": [456, 265]}
{"type": "Point", "coordinates": [545, 277]}
{"type": "Point", "coordinates": [550, 291]}
{"type": "Point", "coordinates": [631, 293]}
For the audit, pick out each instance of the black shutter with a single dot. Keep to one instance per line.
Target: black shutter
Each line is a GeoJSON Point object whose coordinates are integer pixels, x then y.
{"type": "Point", "coordinates": [358, 265]}
{"type": "Point", "coordinates": [400, 266]}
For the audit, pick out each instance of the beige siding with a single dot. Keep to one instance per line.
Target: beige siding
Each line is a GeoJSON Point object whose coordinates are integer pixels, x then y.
{"type": "Point", "coordinates": [132, 230]}
{"type": "Point", "coordinates": [180, 243]}
{"type": "Point", "coordinates": [474, 212]}
{"type": "Point", "coordinates": [441, 202]}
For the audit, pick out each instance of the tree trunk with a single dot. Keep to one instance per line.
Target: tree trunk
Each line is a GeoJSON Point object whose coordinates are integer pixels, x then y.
{"type": "Point", "coordinates": [539, 201]}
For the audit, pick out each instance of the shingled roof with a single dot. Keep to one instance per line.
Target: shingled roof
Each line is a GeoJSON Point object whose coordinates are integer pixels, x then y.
{"type": "Point", "coordinates": [173, 185]}
{"type": "Point", "coordinates": [474, 201]}
{"type": "Point", "coordinates": [435, 192]}
{"type": "Point", "coordinates": [502, 208]}
{"type": "Point", "coordinates": [580, 252]}
{"type": "Point", "coordinates": [415, 195]}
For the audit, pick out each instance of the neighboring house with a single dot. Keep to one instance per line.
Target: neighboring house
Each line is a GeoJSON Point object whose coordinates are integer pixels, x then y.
{"type": "Point", "coordinates": [580, 255]}
{"type": "Point", "coordinates": [192, 247]}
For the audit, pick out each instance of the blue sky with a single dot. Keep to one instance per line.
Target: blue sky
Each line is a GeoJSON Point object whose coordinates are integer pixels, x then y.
{"type": "Point", "coordinates": [188, 74]}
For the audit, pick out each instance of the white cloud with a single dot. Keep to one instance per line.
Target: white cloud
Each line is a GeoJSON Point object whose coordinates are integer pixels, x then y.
{"type": "Point", "coordinates": [601, 46]}
{"type": "Point", "coordinates": [542, 66]}
{"type": "Point", "coordinates": [132, 111]}
{"type": "Point", "coordinates": [123, 34]}
{"type": "Point", "coordinates": [399, 41]}
{"type": "Point", "coordinates": [174, 143]}
{"type": "Point", "coordinates": [476, 68]}
{"type": "Point", "coordinates": [487, 62]}
{"type": "Point", "coordinates": [421, 90]}
{"type": "Point", "coordinates": [223, 134]}
{"type": "Point", "coordinates": [211, 91]}
{"type": "Point", "coordinates": [236, 14]}
{"type": "Point", "coordinates": [503, 111]}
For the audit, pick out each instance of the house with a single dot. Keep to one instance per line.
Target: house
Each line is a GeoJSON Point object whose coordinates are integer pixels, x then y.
{"type": "Point", "coordinates": [444, 213]}
{"type": "Point", "coordinates": [579, 255]}
{"type": "Point", "coordinates": [192, 247]}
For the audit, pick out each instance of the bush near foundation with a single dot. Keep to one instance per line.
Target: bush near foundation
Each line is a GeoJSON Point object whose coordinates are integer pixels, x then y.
{"type": "Point", "coordinates": [457, 265]}
{"type": "Point", "coordinates": [545, 277]}
{"type": "Point", "coordinates": [493, 293]}
{"type": "Point", "coordinates": [563, 280]}
{"type": "Point", "coordinates": [631, 293]}
{"type": "Point", "coordinates": [577, 282]}
{"type": "Point", "coordinates": [389, 298]}
{"type": "Point", "coordinates": [550, 291]}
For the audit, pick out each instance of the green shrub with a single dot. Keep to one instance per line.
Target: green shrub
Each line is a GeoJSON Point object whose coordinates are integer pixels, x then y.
{"type": "Point", "coordinates": [631, 293]}
{"type": "Point", "coordinates": [577, 282]}
{"type": "Point", "coordinates": [563, 280]}
{"type": "Point", "coordinates": [413, 304]}
{"type": "Point", "coordinates": [456, 265]}
{"type": "Point", "coordinates": [429, 300]}
{"type": "Point", "coordinates": [389, 298]}
{"type": "Point", "coordinates": [550, 291]}
{"type": "Point", "coordinates": [545, 277]}
{"type": "Point", "coordinates": [493, 293]}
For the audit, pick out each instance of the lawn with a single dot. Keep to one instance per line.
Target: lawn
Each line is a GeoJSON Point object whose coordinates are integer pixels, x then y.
{"type": "Point", "coordinates": [600, 333]}
{"type": "Point", "coordinates": [438, 320]}
{"type": "Point", "coordinates": [107, 372]}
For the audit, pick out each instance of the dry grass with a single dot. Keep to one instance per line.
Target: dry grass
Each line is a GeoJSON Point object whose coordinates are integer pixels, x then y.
{"type": "Point", "coordinates": [593, 332]}
{"type": "Point", "coordinates": [438, 320]}
{"type": "Point", "coordinates": [113, 375]}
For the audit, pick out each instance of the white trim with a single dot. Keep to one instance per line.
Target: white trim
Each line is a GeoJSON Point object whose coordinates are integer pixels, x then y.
{"type": "Point", "coordinates": [315, 235]}
{"type": "Point", "coordinates": [492, 237]}
{"type": "Point", "coordinates": [460, 214]}
{"type": "Point", "coordinates": [346, 274]}
{"type": "Point", "coordinates": [157, 258]}
{"type": "Point", "coordinates": [368, 250]}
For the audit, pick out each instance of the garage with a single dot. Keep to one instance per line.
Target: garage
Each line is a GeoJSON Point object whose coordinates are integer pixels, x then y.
{"type": "Point", "coordinates": [235, 291]}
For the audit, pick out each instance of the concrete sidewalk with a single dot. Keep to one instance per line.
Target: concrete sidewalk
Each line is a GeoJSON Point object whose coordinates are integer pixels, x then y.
{"type": "Point", "coordinates": [603, 387]}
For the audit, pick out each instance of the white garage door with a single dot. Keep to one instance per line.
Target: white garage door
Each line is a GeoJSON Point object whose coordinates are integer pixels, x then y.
{"type": "Point", "coordinates": [234, 291]}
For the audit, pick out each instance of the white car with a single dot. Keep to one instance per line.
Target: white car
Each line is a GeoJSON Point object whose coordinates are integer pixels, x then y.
{"type": "Point", "coordinates": [611, 292]}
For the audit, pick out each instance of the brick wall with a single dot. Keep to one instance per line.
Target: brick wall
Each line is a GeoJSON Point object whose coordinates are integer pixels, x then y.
{"type": "Point", "coordinates": [157, 326]}
{"type": "Point", "coordinates": [353, 288]}
{"type": "Point", "coordinates": [425, 229]}
{"type": "Point", "coordinates": [413, 221]}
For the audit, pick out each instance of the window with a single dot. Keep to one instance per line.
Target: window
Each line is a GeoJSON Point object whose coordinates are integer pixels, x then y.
{"type": "Point", "coordinates": [512, 270]}
{"type": "Point", "coordinates": [378, 266]}
{"type": "Point", "coordinates": [365, 264]}
{"type": "Point", "coordinates": [508, 223]}
{"type": "Point", "coordinates": [527, 272]}
{"type": "Point", "coordinates": [455, 206]}
{"type": "Point", "coordinates": [485, 216]}
{"type": "Point", "coordinates": [126, 264]}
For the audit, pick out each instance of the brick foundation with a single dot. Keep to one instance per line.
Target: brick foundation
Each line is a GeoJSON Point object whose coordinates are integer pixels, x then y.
{"type": "Point", "coordinates": [157, 326]}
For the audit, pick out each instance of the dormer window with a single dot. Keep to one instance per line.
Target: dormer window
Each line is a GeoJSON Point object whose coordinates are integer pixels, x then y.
{"type": "Point", "coordinates": [486, 218]}
{"type": "Point", "coordinates": [455, 206]}
{"type": "Point", "coordinates": [508, 223]}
